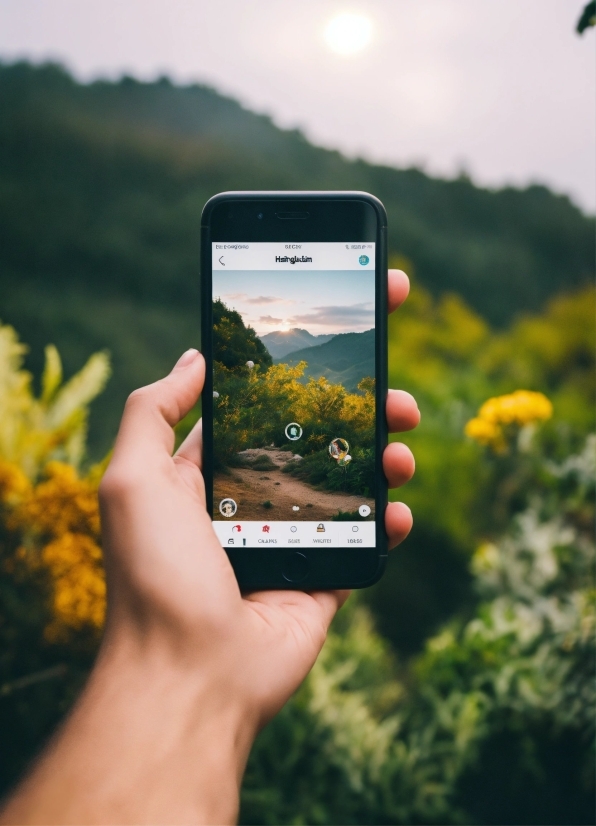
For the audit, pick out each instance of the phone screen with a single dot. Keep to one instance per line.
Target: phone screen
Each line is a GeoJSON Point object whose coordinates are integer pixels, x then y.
{"type": "Point", "coordinates": [294, 394]}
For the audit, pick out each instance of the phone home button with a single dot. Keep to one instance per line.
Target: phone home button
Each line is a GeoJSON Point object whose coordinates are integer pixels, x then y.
{"type": "Point", "coordinates": [295, 567]}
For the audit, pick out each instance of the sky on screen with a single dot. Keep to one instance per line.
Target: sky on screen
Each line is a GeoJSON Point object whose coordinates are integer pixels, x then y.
{"type": "Point", "coordinates": [320, 302]}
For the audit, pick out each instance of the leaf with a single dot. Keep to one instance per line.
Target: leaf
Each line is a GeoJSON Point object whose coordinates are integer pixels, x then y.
{"type": "Point", "coordinates": [81, 389]}
{"type": "Point", "coordinates": [52, 374]}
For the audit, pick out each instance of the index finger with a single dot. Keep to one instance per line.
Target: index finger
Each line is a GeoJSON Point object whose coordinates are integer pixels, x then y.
{"type": "Point", "coordinates": [398, 285]}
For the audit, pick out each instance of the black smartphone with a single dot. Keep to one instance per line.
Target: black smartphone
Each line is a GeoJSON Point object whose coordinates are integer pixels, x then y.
{"type": "Point", "coordinates": [294, 332]}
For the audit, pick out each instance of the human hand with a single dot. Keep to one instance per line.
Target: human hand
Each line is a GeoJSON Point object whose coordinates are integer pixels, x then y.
{"type": "Point", "coordinates": [190, 668]}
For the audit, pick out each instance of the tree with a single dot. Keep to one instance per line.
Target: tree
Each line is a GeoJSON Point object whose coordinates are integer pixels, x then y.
{"type": "Point", "coordinates": [587, 18]}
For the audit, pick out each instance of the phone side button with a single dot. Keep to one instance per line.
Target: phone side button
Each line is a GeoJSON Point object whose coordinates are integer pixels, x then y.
{"type": "Point", "coordinates": [295, 567]}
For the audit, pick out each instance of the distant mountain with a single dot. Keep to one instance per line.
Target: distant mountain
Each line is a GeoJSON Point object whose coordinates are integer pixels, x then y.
{"type": "Point", "coordinates": [280, 342]}
{"type": "Point", "coordinates": [346, 359]}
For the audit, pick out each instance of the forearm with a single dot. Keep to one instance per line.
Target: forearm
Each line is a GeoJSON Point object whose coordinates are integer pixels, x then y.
{"type": "Point", "coordinates": [148, 741]}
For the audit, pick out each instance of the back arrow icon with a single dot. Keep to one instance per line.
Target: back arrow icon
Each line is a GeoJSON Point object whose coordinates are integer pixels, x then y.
{"type": "Point", "coordinates": [221, 261]}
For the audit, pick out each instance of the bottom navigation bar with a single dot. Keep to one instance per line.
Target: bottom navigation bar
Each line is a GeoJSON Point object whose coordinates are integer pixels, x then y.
{"type": "Point", "coordinates": [295, 534]}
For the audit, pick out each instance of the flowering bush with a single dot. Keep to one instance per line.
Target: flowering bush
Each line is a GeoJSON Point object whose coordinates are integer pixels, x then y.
{"type": "Point", "coordinates": [48, 510]}
{"type": "Point", "coordinates": [371, 746]}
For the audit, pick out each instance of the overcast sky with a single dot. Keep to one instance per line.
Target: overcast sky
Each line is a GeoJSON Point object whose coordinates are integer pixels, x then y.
{"type": "Point", "coordinates": [504, 89]}
{"type": "Point", "coordinates": [320, 302]}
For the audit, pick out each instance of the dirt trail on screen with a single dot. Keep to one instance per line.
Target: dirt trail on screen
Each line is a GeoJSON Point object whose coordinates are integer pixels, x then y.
{"type": "Point", "coordinates": [250, 488]}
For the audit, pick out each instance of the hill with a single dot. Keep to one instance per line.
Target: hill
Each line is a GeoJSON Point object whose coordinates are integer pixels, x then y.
{"type": "Point", "coordinates": [282, 342]}
{"type": "Point", "coordinates": [346, 359]}
{"type": "Point", "coordinates": [101, 190]}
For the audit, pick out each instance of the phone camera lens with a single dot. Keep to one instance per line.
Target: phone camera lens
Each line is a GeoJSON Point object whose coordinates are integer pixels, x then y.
{"type": "Point", "coordinates": [260, 215]}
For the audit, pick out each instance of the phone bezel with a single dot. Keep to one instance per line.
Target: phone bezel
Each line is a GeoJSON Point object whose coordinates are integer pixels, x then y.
{"type": "Point", "coordinates": [333, 216]}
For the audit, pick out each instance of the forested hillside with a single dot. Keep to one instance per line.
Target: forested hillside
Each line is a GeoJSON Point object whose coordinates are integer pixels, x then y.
{"type": "Point", "coordinates": [101, 190]}
{"type": "Point", "coordinates": [346, 359]}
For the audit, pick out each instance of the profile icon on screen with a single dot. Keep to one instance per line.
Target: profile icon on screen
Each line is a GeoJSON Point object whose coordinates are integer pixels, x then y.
{"type": "Point", "coordinates": [227, 507]}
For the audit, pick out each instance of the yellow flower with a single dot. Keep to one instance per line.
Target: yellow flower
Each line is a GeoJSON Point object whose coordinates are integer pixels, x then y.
{"type": "Point", "coordinates": [520, 408]}
{"type": "Point", "coordinates": [485, 558]}
{"type": "Point", "coordinates": [63, 502]}
{"type": "Point", "coordinates": [75, 563]}
{"type": "Point", "coordinates": [482, 431]}
{"type": "Point", "coordinates": [517, 409]}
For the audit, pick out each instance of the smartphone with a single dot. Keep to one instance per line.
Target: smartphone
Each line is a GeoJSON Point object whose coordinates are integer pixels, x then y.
{"type": "Point", "coordinates": [294, 333]}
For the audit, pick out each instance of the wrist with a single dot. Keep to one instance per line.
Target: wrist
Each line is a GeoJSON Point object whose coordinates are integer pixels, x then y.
{"type": "Point", "coordinates": [148, 729]}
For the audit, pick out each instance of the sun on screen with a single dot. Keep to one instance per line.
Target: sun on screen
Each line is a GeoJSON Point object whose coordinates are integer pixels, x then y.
{"type": "Point", "coordinates": [348, 33]}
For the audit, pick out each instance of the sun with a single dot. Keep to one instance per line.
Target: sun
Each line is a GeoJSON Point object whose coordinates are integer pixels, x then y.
{"type": "Point", "coordinates": [347, 34]}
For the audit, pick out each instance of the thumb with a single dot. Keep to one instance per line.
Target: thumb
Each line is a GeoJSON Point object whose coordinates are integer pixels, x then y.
{"type": "Point", "coordinates": [151, 412]}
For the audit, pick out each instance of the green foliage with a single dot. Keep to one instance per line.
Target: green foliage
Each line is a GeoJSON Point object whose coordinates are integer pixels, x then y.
{"type": "Point", "coordinates": [356, 748]}
{"type": "Point", "coordinates": [451, 361]}
{"type": "Point", "coordinates": [262, 462]}
{"type": "Point", "coordinates": [234, 343]}
{"type": "Point", "coordinates": [319, 469]}
{"type": "Point", "coordinates": [587, 17]}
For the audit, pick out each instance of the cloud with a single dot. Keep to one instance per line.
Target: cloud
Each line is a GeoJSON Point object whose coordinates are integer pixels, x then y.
{"type": "Point", "coordinates": [266, 299]}
{"type": "Point", "coordinates": [269, 319]}
{"type": "Point", "coordinates": [353, 317]}
{"type": "Point", "coordinates": [261, 299]}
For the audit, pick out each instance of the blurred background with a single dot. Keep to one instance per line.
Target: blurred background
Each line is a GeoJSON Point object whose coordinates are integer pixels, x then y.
{"type": "Point", "coordinates": [460, 688]}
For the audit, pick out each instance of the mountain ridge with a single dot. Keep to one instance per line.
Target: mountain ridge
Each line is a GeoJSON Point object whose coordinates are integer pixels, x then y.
{"type": "Point", "coordinates": [345, 359]}
{"type": "Point", "coordinates": [280, 343]}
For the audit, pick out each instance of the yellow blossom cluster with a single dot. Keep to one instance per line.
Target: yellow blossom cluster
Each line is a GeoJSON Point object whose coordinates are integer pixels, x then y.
{"type": "Point", "coordinates": [499, 414]}
{"type": "Point", "coordinates": [62, 502]}
{"type": "Point", "coordinates": [57, 523]}
{"type": "Point", "coordinates": [75, 563]}
{"type": "Point", "coordinates": [49, 511]}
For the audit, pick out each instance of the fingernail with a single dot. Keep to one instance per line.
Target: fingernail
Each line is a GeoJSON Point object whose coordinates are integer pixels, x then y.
{"type": "Point", "coordinates": [413, 398]}
{"type": "Point", "coordinates": [186, 358]}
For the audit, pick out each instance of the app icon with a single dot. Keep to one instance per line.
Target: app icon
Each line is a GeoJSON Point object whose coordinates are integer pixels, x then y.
{"type": "Point", "coordinates": [364, 510]}
{"type": "Point", "coordinates": [237, 528]}
{"type": "Point", "coordinates": [364, 259]}
{"type": "Point", "coordinates": [293, 528]}
{"type": "Point", "coordinates": [320, 528]}
{"type": "Point", "coordinates": [266, 529]}
{"type": "Point", "coordinates": [355, 528]}
{"type": "Point", "coordinates": [293, 431]}
{"type": "Point", "coordinates": [338, 450]}
{"type": "Point", "coordinates": [227, 507]}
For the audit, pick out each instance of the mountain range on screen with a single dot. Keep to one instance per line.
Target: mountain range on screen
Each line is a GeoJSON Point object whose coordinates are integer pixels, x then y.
{"type": "Point", "coordinates": [280, 343]}
{"type": "Point", "coordinates": [345, 359]}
